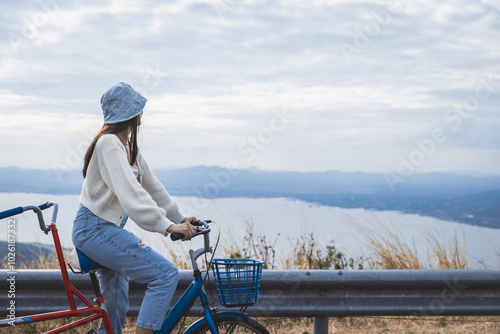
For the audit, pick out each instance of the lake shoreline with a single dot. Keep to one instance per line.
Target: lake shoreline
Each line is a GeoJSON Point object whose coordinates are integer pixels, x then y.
{"type": "Point", "coordinates": [277, 219]}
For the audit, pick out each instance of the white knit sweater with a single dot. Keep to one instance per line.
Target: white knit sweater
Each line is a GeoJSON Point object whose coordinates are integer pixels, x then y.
{"type": "Point", "coordinates": [110, 189]}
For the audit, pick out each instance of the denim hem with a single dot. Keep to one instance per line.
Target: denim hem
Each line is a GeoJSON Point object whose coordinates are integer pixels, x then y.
{"type": "Point", "coordinates": [146, 326]}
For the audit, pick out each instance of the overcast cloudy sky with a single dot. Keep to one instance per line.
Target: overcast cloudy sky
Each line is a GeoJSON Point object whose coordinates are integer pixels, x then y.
{"type": "Point", "coordinates": [374, 86]}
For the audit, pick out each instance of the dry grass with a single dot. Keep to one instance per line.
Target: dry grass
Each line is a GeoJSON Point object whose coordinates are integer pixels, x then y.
{"type": "Point", "coordinates": [361, 325]}
{"type": "Point", "coordinates": [40, 261]}
{"type": "Point", "coordinates": [386, 250]}
{"type": "Point", "coordinates": [447, 255]}
{"type": "Point", "coordinates": [400, 325]}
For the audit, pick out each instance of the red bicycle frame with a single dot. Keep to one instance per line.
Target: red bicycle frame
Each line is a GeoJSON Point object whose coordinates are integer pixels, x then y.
{"type": "Point", "coordinates": [93, 311]}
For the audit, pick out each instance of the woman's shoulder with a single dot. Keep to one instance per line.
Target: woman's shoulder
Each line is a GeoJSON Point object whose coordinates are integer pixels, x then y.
{"type": "Point", "coordinates": [108, 141]}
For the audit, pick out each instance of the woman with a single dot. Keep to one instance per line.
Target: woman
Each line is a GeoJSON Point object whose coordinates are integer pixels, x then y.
{"type": "Point", "coordinates": [119, 184]}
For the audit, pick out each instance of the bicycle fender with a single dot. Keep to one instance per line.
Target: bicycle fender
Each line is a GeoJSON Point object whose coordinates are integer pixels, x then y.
{"type": "Point", "coordinates": [203, 320]}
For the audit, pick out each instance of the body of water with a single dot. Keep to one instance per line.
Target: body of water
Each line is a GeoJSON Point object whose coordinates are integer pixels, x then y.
{"type": "Point", "coordinates": [282, 221]}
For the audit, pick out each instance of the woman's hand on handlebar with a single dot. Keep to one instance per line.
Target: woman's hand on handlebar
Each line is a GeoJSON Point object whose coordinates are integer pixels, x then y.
{"type": "Point", "coordinates": [184, 228]}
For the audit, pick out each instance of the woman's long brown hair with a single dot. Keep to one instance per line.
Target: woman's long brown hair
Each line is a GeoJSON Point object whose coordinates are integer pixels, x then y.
{"type": "Point", "coordinates": [114, 129]}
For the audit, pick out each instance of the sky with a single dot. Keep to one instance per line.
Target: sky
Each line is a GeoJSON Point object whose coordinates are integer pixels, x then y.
{"type": "Point", "coordinates": [396, 87]}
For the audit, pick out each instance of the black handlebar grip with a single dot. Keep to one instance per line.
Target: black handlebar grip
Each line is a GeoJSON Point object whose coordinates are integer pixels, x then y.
{"type": "Point", "coordinates": [176, 236]}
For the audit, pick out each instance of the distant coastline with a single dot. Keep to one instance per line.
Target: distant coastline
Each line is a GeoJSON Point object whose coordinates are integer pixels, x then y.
{"type": "Point", "coordinates": [470, 199]}
{"type": "Point", "coordinates": [281, 221]}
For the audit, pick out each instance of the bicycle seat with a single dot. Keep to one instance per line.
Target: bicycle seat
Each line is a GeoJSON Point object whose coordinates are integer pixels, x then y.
{"type": "Point", "coordinates": [83, 263]}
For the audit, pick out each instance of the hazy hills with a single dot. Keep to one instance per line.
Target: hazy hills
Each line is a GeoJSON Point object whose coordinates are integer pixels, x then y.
{"type": "Point", "coordinates": [472, 199]}
{"type": "Point", "coordinates": [27, 254]}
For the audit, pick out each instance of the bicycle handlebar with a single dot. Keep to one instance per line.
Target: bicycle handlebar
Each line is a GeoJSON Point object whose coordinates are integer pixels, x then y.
{"type": "Point", "coordinates": [36, 209]}
{"type": "Point", "coordinates": [11, 212]}
{"type": "Point", "coordinates": [45, 206]}
{"type": "Point", "coordinates": [20, 209]}
{"type": "Point", "coordinates": [202, 229]}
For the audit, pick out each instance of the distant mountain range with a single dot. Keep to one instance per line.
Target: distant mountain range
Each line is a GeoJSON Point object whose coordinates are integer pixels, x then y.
{"type": "Point", "coordinates": [467, 198]}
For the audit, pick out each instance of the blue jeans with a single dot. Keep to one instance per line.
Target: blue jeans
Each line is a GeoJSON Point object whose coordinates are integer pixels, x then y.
{"type": "Point", "coordinates": [126, 257]}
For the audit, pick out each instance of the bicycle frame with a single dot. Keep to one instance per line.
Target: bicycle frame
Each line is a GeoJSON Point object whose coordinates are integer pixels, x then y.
{"type": "Point", "coordinates": [184, 304]}
{"type": "Point", "coordinates": [95, 311]}
{"type": "Point", "coordinates": [194, 291]}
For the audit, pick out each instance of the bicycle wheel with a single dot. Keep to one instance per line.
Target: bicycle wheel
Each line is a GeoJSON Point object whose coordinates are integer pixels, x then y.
{"type": "Point", "coordinates": [234, 326]}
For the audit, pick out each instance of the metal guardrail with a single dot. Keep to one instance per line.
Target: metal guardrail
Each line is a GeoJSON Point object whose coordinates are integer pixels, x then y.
{"type": "Point", "coordinates": [300, 293]}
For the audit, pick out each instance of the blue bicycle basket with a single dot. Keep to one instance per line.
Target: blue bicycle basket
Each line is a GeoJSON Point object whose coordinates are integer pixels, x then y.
{"type": "Point", "coordinates": [237, 280]}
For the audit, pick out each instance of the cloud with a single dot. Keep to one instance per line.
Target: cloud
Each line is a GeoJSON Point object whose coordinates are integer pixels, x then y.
{"type": "Point", "coordinates": [214, 72]}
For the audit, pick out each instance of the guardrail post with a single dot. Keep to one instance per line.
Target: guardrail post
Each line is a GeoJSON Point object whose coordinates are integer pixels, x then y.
{"type": "Point", "coordinates": [320, 325]}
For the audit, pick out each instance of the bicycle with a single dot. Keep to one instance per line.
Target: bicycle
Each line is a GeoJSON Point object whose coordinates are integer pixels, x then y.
{"type": "Point", "coordinates": [237, 282]}
{"type": "Point", "coordinates": [92, 311]}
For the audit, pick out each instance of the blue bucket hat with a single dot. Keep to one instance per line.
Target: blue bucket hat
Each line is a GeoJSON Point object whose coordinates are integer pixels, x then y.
{"type": "Point", "coordinates": [121, 103]}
